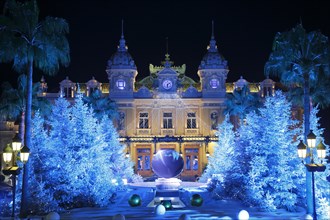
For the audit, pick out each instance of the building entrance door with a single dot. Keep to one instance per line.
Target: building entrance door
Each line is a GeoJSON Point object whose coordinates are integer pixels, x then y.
{"type": "Point", "coordinates": [143, 161]}
{"type": "Point", "coordinates": [191, 162]}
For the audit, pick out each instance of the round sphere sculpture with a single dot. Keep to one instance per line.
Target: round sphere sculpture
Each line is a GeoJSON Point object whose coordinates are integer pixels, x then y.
{"type": "Point", "coordinates": [53, 216]}
{"type": "Point", "coordinates": [118, 217]}
{"type": "Point", "coordinates": [243, 215]}
{"type": "Point", "coordinates": [167, 204]}
{"type": "Point", "coordinates": [160, 210]}
{"type": "Point", "coordinates": [167, 163]}
{"type": "Point", "coordinates": [196, 200]}
{"type": "Point", "coordinates": [134, 200]}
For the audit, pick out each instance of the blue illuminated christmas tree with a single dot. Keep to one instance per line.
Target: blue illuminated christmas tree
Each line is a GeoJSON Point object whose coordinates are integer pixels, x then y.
{"type": "Point", "coordinates": [275, 176]}
{"type": "Point", "coordinates": [78, 160]}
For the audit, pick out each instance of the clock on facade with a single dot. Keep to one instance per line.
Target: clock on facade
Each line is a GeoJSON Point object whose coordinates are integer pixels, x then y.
{"type": "Point", "coordinates": [214, 83]}
{"type": "Point", "coordinates": [167, 84]}
{"type": "Point", "coordinates": [121, 84]}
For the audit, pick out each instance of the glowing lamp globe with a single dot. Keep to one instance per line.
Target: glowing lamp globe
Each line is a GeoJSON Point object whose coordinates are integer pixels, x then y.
{"type": "Point", "coordinates": [134, 200]}
{"type": "Point", "coordinates": [243, 215]}
{"type": "Point", "coordinates": [196, 200]}
{"type": "Point", "coordinates": [17, 143]}
{"type": "Point", "coordinates": [302, 150]}
{"type": "Point", "coordinates": [321, 151]}
{"type": "Point", "coordinates": [7, 154]}
{"type": "Point", "coordinates": [167, 204]}
{"type": "Point", "coordinates": [167, 163]}
{"type": "Point", "coordinates": [311, 139]}
{"type": "Point", "coordinates": [25, 153]}
{"type": "Point", "coordinates": [160, 210]}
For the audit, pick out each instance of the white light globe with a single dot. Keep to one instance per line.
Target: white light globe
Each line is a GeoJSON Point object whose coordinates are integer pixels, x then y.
{"type": "Point", "coordinates": [118, 217]}
{"type": "Point", "coordinates": [53, 216]}
{"type": "Point", "coordinates": [160, 210]}
{"type": "Point", "coordinates": [243, 215]}
{"type": "Point", "coordinates": [308, 217]}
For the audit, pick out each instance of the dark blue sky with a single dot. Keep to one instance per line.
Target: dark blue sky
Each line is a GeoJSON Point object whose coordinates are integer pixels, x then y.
{"type": "Point", "coordinates": [244, 31]}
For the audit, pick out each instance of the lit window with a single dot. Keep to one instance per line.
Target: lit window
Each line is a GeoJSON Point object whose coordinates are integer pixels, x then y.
{"type": "Point", "coordinates": [120, 84]}
{"type": "Point", "coordinates": [143, 120]}
{"type": "Point", "coordinates": [167, 120]}
{"type": "Point", "coordinates": [191, 120]}
{"type": "Point", "coordinates": [214, 83]}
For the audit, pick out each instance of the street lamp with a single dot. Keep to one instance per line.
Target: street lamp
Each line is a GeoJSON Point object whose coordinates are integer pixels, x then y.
{"type": "Point", "coordinates": [127, 152]}
{"type": "Point", "coordinates": [14, 170]}
{"type": "Point", "coordinates": [312, 167]}
{"type": "Point", "coordinates": [207, 154]}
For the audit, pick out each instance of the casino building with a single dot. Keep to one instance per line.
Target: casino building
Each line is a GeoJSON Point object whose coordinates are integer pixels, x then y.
{"type": "Point", "coordinates": [165, 110]}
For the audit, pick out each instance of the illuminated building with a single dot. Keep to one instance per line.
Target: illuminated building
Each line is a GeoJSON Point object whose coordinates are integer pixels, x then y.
{"type": "Point", "coordinates": [165, 110]}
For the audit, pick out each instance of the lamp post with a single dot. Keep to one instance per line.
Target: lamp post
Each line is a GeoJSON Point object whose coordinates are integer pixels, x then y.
{"type": "Point", "coordinates": [312, 167]}
{"type": "Point", "coordinates": [128, 144]}
{"type": "Point", "coordinates": [207, 140]}
{"type": "Point", "coordinates": [10, 153]}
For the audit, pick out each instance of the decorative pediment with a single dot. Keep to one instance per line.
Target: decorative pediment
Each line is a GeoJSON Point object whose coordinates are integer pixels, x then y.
{"type": "Point", "coordinates": [156, 69]}
{"type": "Point", "coordinates": [143, 92]}
{"type": "Point", "coordinates": [191, 92]}
{"type": "Point", "coordinates": [167, 71]}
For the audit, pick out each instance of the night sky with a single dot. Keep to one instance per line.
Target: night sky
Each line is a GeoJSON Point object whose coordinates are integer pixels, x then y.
{"type": "Point", "coordinates": [244, 31]}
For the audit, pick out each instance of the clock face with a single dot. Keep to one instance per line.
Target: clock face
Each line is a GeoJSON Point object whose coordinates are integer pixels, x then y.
{"type": "Point", "coordinates": [167, 84]}
{"type": "Point", "coordinates": [121, 84]}
{"type": "Point", "coordinates": [214, 83]}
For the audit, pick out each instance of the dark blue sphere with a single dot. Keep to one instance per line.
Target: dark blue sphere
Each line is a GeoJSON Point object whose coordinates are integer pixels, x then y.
{"type": "Point", "coordinates": [167, 204]}
{"type": "Point", "coordinates": [196, 200]}
{"type": "Point", "coordinates": [134, 200]}
{"type": "Point", "coordinates": [167, 163]}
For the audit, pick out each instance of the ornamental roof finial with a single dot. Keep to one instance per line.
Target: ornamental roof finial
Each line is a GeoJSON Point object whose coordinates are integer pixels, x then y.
{"type": "Point", "coordinates": [167, 56]}
{"type": "Point", "coordinates": [212, 37]}
{"type": "Point", "coordinates": [166, 45]}
{"type": "Point", "coordinates": [122, 28]}
{"type": "Point", "coordinates": [122, 42]}
{"type": "Point", "coordinates": [212, 47]}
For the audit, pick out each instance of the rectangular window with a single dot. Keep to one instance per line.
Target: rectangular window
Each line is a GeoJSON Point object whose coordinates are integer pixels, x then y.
{"type": "Point", "coordinates": [191, 120]}
{"type": "Point", "coordinates": [143, 120]}
{"type": "Point", "coordinates": [167, 120]}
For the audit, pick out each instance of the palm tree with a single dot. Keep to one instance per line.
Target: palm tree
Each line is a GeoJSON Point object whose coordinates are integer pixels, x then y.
{"type": "Point", "coordinates": [239, 103]}
{"type": "Point", "coordinates": [102, 105]}
{"type": "Point", "coordinates": [30, 43]}
{"type": "Point", "coordinates": [301, 59]}
{"type": "Point", "coordinates": [13, 102]}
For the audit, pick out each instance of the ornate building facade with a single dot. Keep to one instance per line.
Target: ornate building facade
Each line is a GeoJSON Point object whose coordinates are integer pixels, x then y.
{"type": "Point", "coordinates": [165, 110]}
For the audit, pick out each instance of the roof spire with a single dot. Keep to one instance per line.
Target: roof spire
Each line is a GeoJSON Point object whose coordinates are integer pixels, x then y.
{"type": "Point", "coordinates": [122, 28]}
{"type": "Point", "coordinates": [167, 62]}
{"type": "Point", "coordinates": [122, 42]}
{"type": "Point", "coordinates": [212, 47]}
{"type": "Point", "coordinates": [212, 37]}
{"type": "Point", "coordinates": [166, 45]}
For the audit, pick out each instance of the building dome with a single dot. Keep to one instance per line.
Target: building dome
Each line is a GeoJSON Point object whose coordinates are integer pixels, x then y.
{"type": "Point", "coordinates": [241, 83]}
{"type": "Point", "coordinates": [121, 59]}
{"type": "Point", "coordinates": [213, 59]}
{"type": "Point", "coordinates": [67, 83]}
{"type": "Point", "coordinates": [93, 83]}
